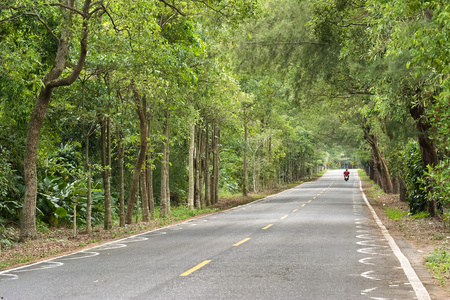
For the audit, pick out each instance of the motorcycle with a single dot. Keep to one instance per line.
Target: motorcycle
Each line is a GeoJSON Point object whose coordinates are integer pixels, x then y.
{"type": "Point", "coordinates": [346, 177]}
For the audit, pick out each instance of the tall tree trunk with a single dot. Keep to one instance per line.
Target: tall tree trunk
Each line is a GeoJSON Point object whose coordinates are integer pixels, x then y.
{"type": "Point", "coordinates": [141, 111]}
{"type": "Point", "coordinates": [50, 81]}
{"type": "Point", "coordinates": [207, 164]}
{"type": "Point", "coordinates": [216, 161]}
{"type": "Point", "coordinates": [106, 165]}
{"type": "Point", "coordinates": [121, 155]}
{"type": "Point", "coordinates": [149, 172]}
{"type": "Point", "coordinates": [245, 183]}
{"type": "Point", "coordinates": [165, 190]}
{"type": "Point", "coordinates": [427, 146]}
{"type": "Point", "coordinates": [191, 167]}
{"type": "Point", "coordinates": [198, 171]}
{"type": "Point", "coordinates": [145, 210]}
{"type": "Point", "coordinates": [89, 191]}
{"type": "Point", "coordinates": [151, 200]}
{"type": "Point", "coordinates": [86, 135]}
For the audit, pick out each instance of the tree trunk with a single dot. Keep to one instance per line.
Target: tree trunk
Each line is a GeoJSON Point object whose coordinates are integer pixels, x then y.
{"type": "Point", "coordinates": [149, 172]}
{"type": "Point", "coordinates": [141, 111]}
{"type": "Point", "coordinates": [145, 210]}
{"type": "Point", "coordinates": [89, 191]}
{"type": "Point", "coordinates": [216, 161]}
{"type": "Point", "coordinates": [191, 167]}
{"type": "Point", "coordinates": [151, 200]}
{"type": "Point", "coordinates": [380, 166]}
{"type": "Point", "coordinates": [121, 155]}
{"type": "Point", "coordinates": [50, 81]}
{"type": "Point", "coordinates": [165, 191]}
{"type": "Point", "coordinates": [106, 165]}
{"type": "Point", "coordinates": [86, 135]}
{"type": "Point", "coordinates": [245, 183]}
{"type": "Point", "coordinates": [427, 146]}
{"type": "Point", "coordinates": [198, 171]}
{"type": "Point", "coordinates": [207, 163]}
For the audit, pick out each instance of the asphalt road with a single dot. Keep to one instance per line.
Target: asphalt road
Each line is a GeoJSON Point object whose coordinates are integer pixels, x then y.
{"type": "Point", "coordinates": [316, 241]}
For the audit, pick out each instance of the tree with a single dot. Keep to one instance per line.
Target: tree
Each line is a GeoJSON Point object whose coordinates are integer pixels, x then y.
{"type": "Point", "coordinates": [54, 78]}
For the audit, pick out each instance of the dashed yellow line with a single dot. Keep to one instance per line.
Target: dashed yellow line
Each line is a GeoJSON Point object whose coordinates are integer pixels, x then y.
{"type": "Point", "coordinates": [309, 201]}
{"type": "Point", "coordinates": [284, 217]}
{"type": "Point", "coordinates": [264, 228]}
{"type": "Point", "coordinates": [303, 205]}
{"type": "Point", "coordinates": [295, 210]}
{"type": "Point", "coordinates": [241, 242]}
{"type": "Point", "coordinates": [195, 268]}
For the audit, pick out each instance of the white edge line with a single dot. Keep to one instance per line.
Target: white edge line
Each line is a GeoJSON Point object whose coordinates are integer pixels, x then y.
{"type": "Point", "coordinates": [421, 291]}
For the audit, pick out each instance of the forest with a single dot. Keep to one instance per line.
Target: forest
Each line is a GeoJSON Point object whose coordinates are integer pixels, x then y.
{"type": "Point", "coordinates": [113, 112]}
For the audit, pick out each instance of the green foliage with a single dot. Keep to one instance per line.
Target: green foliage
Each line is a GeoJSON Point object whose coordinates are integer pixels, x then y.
{"type": "Point", "coordinates": [5, 237]}
{"type": "Point", "coordinates": [414, 173]}
{"type": "Point", "coordinates": [439, 263]}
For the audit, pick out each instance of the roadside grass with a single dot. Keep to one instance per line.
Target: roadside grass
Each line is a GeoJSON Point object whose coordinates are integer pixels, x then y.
{"type": "Point", "coordinates": [395, 214]}
{"type": "Point", "coordinates": [439, 263]}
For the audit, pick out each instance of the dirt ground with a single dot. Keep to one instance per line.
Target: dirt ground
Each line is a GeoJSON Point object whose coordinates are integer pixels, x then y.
{"type": "Point", "coordinates": [421, 236]}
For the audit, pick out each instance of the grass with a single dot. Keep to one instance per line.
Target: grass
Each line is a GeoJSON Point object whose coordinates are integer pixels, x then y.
{"type": "Point", "coordinates": [395, 214]}
{"type": "Point", "coordinates": [439, 263]}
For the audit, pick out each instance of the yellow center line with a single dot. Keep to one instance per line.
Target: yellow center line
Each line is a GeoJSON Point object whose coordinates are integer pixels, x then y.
{"type": "Point", "coordinates": [284, 217]}
{"type": "Point", "coordinates": [195, 268]}
{"type": "Point", "coordinates": [309, 201]}
{"type": "Point", "coordinates": [314, 197]}
{"type": "Point", "coordinates": [295, 210]}
{"type": "Point", "coordinates": [267, 226]}
{"type": "Point", "coordinates": [241, 242]}
{"type": "Point", "coordinates": [303, 205]}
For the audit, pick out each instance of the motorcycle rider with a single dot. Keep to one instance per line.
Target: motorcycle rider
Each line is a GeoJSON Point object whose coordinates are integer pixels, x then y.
{"type": "Point", "coordinates": [346, 173]}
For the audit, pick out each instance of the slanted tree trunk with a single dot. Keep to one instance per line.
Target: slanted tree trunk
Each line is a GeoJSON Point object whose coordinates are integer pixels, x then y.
{"type": "Point", "coordinates": [427, 146]}
{"type": "Point", "coordinates": [381, 169]}
{"type": "Point", "coordinates": [50, 81]}
{"type": "Point", "coordinates": [141, 111]}
{"type": "Point", "coordinates": [191, 167]}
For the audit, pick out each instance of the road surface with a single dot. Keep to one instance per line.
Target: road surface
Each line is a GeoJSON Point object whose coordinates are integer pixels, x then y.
{"type": "Point", "coordinates": [316, 241]}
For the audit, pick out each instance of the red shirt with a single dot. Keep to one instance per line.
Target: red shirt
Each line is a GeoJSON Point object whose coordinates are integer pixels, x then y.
{"type": "Point", "coordinates": [346, 172]}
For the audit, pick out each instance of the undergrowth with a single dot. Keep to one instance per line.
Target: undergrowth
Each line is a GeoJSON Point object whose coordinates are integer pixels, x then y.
{"type": "Point", "coordinates": [439, 263]}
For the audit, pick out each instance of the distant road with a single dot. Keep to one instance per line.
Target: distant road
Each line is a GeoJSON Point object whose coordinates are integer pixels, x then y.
{"type": "Point", "coordinates": [316, 241]}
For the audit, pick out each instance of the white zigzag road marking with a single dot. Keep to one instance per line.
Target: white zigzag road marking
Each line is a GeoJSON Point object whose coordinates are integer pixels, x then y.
{"type": "Point", "coordinates": [364, 261]}
{"type": "Point", "coordinates": [366, 291]}
{"type": "Point", "coordinates": [52, 265]}
{"type": "Point", "coordinates": [368, 276]}
{"type": "Point", "coordinates": [11, 275]}
{"type": "Point", "coordinates": [370, 251]}
{"type": "Point", "coordinates": [88, 254]}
